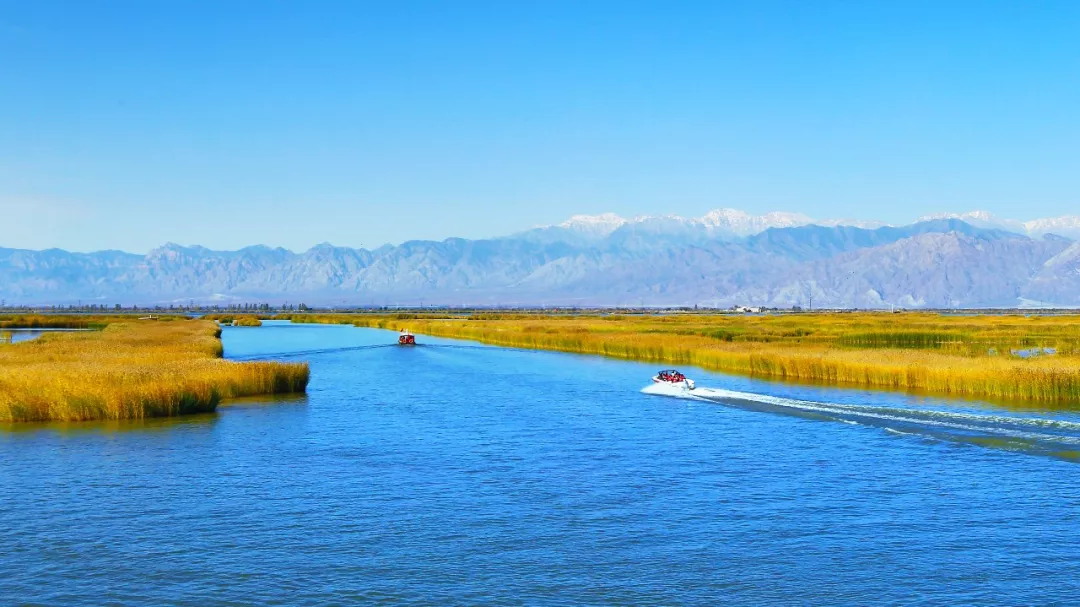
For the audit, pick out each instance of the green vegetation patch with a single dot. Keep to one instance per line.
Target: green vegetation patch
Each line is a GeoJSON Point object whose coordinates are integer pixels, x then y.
{"type": "Point", "coordinates": [909, 340]}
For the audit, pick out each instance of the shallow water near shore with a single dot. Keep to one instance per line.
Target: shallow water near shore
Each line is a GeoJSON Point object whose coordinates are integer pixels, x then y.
{"type": "Point", "coordinates": [14, 336]}
{"type": "Point", "coordinates": [456, 473]}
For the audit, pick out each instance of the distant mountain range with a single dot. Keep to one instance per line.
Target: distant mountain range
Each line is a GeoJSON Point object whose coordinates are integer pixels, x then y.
{"type": "Point", "coordinates": [733, 223]}
{"type": "Point", "coordinates": [724, 258]}
{"type": "Point", "coordinates": [1068, 226]}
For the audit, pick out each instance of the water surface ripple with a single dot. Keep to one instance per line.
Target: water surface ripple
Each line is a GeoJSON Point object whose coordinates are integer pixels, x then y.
{"type": "Point", "coordinates": [483, 476]}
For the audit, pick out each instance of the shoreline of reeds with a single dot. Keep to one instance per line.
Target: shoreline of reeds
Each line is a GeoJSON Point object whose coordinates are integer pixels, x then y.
{"type": "Point", "coordinates": [972, 357]}
{"type": "Point", "coordinates": [235, 320]}
{"type": "Point", "coordinates": [132, 370]}
{"type": "Point", "coordinates": [50, 321]}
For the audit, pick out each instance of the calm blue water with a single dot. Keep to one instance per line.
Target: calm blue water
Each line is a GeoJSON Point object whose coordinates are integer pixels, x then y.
{"type": "Point", "coordinates": [456, 474]}
{"type": "Point", "coordinates": [14, 336]}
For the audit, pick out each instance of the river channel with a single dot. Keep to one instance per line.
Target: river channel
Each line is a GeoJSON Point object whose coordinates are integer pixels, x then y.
{"type": "Point", "coordinates": [453, 473]}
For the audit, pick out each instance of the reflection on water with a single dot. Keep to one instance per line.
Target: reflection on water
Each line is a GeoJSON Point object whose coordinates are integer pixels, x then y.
{"type": "Point", "coordinates": [261, 401]}
{"type": "Point", "coordinates": [154, 424]}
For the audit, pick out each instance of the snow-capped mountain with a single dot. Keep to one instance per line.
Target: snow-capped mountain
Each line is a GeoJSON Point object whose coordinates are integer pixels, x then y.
{"type": "Point", "coordinates": [718, 223]}
{"type": "Point", "coordinates": [734, 223]}
{"type": "Point", "coordinates": [866, 224]}
{"type": "Point", "coordinates": [982, 219]}
{"type": "Point", "coordinates": [723, 258]}
{"type": "Point", "coordinates": [741, 223]}
{"type": "Point", "coordinates": [655, 260]}
{"type": "Point", "coordinates": [1066, 225]}
{"type": "Point", "coordinates": [722, 223]}
{"type": "Point", "coordinates": [594, 225]}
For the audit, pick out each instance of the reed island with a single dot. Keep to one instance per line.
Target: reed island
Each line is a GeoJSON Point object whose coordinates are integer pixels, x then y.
{"type": "Point", "coordinates": [127, 368]}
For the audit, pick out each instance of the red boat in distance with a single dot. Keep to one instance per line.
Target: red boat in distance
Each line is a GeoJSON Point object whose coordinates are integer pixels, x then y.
{"type": "Point", "coordinates": [406, 338]}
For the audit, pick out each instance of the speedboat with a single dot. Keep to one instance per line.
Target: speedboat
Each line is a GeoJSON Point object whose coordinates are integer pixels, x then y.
{"type": "Point", "coordinates": [406, 338]}
{"type": "Point", "coordinates": [671, 377]}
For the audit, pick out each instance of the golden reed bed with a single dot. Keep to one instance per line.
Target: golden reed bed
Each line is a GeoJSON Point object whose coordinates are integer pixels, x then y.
{"type": "Point", "coordinates": [975, 356]}
{"type": "Point", "coordinates": [132, 369]}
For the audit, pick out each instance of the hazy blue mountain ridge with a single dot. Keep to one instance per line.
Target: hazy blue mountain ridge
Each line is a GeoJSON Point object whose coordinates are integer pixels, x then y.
{"type": "Point", "coordinates": [605, 261]}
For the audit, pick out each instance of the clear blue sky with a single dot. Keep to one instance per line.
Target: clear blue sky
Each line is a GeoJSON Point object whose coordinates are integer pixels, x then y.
{"type": "Point", "coordinates": [129, 124]}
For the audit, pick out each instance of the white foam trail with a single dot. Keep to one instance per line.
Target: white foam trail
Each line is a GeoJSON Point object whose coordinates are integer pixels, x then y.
{"type": "Point", "coordinates": [665, 389]}
{"type": "Point", "coordinates": [965, 422]}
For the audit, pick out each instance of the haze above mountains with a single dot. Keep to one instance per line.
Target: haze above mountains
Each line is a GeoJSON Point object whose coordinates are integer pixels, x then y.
{"type": "Point", "coordinates": [726, 257]}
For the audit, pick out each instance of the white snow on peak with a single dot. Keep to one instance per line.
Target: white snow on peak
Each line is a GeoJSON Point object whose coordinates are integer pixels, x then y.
{"type": "Point", "coordinates": [984, 216]}
{"type": "Point", "coordinates": [724, 216]}
{"type": "Point", "coordinates": [981, 219]}
{"type": "Point", "coordinates": [1067, 225]}
{"type": "Point", "coordinates": [735, 222]}
{"type": "Point", "coordinates": [668, 218]}
{"type": "Point", "coordinates": [742, 223]}
{"type": "Point", "coordinates": [598, 225]}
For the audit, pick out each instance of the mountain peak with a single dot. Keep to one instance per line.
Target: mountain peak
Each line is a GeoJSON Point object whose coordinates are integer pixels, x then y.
{"type": "Point", "coordinates": [725, 214]}
{"type": "Point", "coordinates": [742, 223]}
{"type": "Point", "coordinates": [985, 216]}
{"type": "Point", "coordinates": [172, 249]}
{"type": "Point", "coordinates": [599, 225]}
{"type": "Point", "coordinates": [1066, 225]}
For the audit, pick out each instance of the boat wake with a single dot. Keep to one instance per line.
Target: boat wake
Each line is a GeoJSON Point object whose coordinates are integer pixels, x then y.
{"type": "Point", "coordinates": [1015, 433]}
{"type": "Point", "coordinates": [306, 353]}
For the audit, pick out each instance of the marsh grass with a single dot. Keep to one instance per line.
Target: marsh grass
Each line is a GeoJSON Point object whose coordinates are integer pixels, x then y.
{"type": "Point", "coordinates": [905, 340]}
{"type": "Point", "coordinates": [60, 321]}
{"type": "Point", "coordinates": [961, 355]}
{"type": "Point", "coordinates": [132, 370]}
{"type": "Point", "coordinates": [242, 320]}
